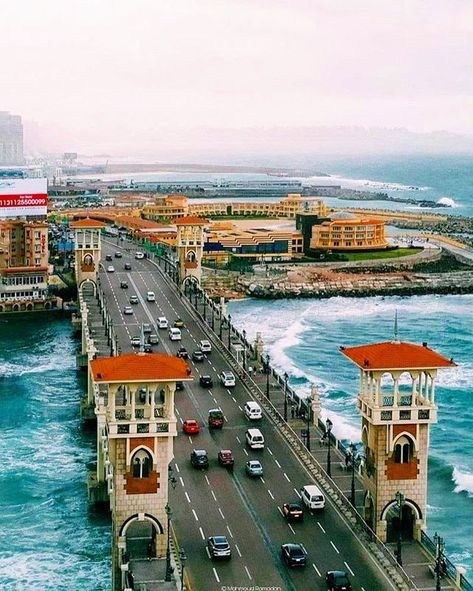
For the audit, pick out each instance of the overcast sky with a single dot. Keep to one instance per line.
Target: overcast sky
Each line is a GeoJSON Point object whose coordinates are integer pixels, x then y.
{"type": "Point", "coordinates": [114, 71]}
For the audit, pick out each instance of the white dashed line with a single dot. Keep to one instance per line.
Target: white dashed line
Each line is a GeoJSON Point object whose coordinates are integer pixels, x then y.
{"type": "Point", "coordinates": [207, 479]}
{"type": "Point", "coordinates": [230, 531]}
{"type": "Point", "coordinates": [297, 493]}
{"type": "Point", "coordinates": [277, 463]}
{"type": "Point", "coordinates": [221, 513]}
{"type": "Point", "coordinates": [202, 533]}
{"type": "Point", "coordinates": [248, 572]}
{"type": "Point", "coordinates": [238, 550]}
{"type": "Point", "coordinates": [262, 480]}
{"type": "Point", "coordinates": [270, 494]}
{"type": "Point", "coordinates": [291, 528]}
{"type": "Point", "coordinates": [316, 570]}
{"type": "Point", "coordinates": [238, 439]}
{"type": "Point", "coordinates": [245, 451]}
{"type": "Point", "coordinates": [187, 497]}
{"type": "Point", "coordinates": [215, 574]}
{"type": "Point", "coordinates": [287, 477]}
{"type": "Point", "coordinates": [335, 548]}
{"type": "Point", "coordinates": [213, 494]}
{"type": "Point", "coordinates": [321, 527]}
{"type": "Point", "coordinates": [269, 451]}
{"type": "Point", "coordinates": [182, 482]}
{"type": "Point", "coordinates": [195, 515]}
{"type": "Point", "coordinates": [177, 468]}
{"type": "Point", "coordinates": [352, 573]}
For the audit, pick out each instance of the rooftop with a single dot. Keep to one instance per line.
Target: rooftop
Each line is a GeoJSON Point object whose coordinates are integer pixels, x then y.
{"type": "Point", "coordinates": [395, 355]}
{"type": "Point", "coordinates": [190, 220]}
{"type": "Point", "coordinates": [87, 223]}
{"type": "Point", "coordinates": [136, 367]}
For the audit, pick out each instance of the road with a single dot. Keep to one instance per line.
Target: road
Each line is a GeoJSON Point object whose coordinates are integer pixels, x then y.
{"type": "Point", "coordinates": [217, 501]}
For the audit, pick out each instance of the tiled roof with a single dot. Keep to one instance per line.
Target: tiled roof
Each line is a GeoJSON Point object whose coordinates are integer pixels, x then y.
{"type": "Point", "coordinates": [190, 220]}
{"type": "Point", "coordinates": [395, 355]}
{"type": "Point", "coordinates": [136, 367]}
{"type": "Point", "coordinates": [87, 223]}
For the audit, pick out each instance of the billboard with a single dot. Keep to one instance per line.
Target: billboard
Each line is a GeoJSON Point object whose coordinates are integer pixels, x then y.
{"type": "Point", "coordinates": [20, 197]}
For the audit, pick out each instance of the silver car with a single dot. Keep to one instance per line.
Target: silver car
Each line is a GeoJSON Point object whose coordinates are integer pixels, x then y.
{"type": "Point", "coordinates": [254, 468]}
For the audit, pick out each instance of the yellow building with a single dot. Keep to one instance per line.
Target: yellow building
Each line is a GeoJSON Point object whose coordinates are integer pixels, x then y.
{"type": "Point", "coordinates": [23, 266]}
{"type": "Point", "coordinates": [166, 208]}
{"type": "Point", "coordinates": [346, 231]}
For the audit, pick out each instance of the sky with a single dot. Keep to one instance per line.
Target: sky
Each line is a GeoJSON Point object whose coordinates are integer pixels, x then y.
{"type": "Point", "coordinates": [120, 74]}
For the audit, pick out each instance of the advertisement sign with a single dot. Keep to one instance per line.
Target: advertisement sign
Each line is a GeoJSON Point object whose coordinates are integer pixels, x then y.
{"type": "Point", "coordinates": [21, 197]}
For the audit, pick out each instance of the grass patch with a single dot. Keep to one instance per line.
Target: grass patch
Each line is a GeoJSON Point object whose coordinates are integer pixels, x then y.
{"type": "Point", "coordinates": [382, 254]}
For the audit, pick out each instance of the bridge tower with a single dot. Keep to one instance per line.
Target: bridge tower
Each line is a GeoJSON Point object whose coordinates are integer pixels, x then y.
{"type": "Point", "coordinates": [189, 246]}
{"type": "Point", "coordinates": [136, 424]}
{"type": "Point", "coordinates": [87, 250]}
{"type": "Point", "coordinates": [396, 400]}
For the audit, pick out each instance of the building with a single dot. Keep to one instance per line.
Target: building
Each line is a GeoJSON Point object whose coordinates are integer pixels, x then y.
{"type": "Point", "coordinates": [349, 232]}
{"type": "Point", "coordinates": [396, 400]}
{"type": "Point", "coordinates": [189, 247]}
{"type": "Point", "coordinates": [166, 208]}
{"type": "Point", "coordinates": [11, 139]}
{"type": "Point", "coordinates": [87, 250]}
{"type": "Point", "coordinates": [24, 266]}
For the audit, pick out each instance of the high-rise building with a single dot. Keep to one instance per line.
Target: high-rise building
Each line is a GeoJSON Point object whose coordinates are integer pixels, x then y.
{"type": "Point", "coordinates": [11, 139]}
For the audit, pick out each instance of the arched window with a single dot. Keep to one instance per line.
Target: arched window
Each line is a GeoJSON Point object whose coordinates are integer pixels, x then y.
{"type": "Point", "coordinates": [88, 260]}
{"type": "Point", "coordinates": [141, 464]}
{"type": "Point", "coordinates": [191, 256]}
{"type": "Point", "coordinates": [403, 450]}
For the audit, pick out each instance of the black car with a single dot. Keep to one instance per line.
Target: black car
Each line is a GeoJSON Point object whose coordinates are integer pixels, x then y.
{"type": "Point", "coordinates": [293, 511]}
{"type": "Point", "coordinates": [108, 257]}
{"type": "Point", "coordinates": [206, 381]}
{"type": "Point", "coordinates": [147, 348]}
{"type": "Point", "coordinates": [198, 356]}
{"type": "Point", "coordinates": [294, 554]}
{"type": "Point", "coordinates": [337, 580]}
{"type": "Point", "coordinates": [199, 458]}
{"type": "Point", "coordinates": [219, 547]}
{"type": "Point", "coordinates": [179, 385]}
{"type": "Point", "coordinates": [123, 284]}
{"type": "Point", "coordinates": [182, 352]}
{"type": "Point", "coordinates": [127, 267]}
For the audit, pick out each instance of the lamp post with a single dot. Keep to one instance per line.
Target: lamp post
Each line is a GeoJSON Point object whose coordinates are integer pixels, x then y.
{"type": "Point", "coordinates": [213, 315]}
{"type": "Point", "coordinates": [196, 293]}
{"type": "Point", "coordinates": [220, 328]}
{"type": "Point", "coordinates": [268, 358]}
{"type": "Point", "coordinates": [439, 560]}
{"type": "Point", "coordinates": [244, 349]}
{"type": "Point", "coordinates": [205, 305]}
{"type": "Point", "coordinates": [182, 558]}
{"type": "Point", "coordinates": [400, 499]}
{"type": "Point", "coordinates": [229, 321]}
{"type": "Point", "coordinates": [328, 427]}
{"type": "Point", "coordinates": [285, 395]}
{"type": "Point", "coordinates": [353, 461]}
{"type": "Point", "coordinates": [167, 578]}
{"type": "Point", "coordinates": [307, 442]}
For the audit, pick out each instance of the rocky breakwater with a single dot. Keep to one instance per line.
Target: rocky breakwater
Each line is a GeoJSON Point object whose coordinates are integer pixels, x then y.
{"type": "Point", "coordinates": [329, 284]}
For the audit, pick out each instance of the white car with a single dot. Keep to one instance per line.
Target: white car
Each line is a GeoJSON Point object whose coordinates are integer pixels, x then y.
{"type": "Point", "coordinates": [139, 255]}
{"type": "Point", "coordinates": [127, 310]}
{"type": "Point", "coordinates": [227, 379]}
{"type": "Point", "coordinates": [110, 269]}
{"type": "Point", "coordinates": [205, 346]}
{"type": "Point", "coordinates": [162, 322]}
{"type": "Point", "coordinates": [150, 296]}
{"type": "Point", "coordinates": [175, 334]}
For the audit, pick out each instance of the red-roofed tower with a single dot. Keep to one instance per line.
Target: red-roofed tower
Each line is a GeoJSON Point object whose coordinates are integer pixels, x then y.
{"type": "Point", "coordinates": [396, 400]}
{"type": "Point", "coordinates": [189, 246]}
{"type": "Point", "coordinates": [87, 249]}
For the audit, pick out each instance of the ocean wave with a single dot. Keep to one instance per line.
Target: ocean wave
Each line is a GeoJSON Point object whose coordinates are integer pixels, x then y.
{"type": "Point", "coordinates": [379, 185]}
{"type": "Point", "coordinates": [10, 370]}
{"type": "Point", "coordinates": [448, 201]}
{"type": "Point", "coordinates": [463, 481]}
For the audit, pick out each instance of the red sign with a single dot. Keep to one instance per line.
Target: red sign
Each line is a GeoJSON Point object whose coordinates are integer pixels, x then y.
{"type": "Point", "coordinates": [35, 200]}
{"type": "Point", "coordinates": [22, 197]}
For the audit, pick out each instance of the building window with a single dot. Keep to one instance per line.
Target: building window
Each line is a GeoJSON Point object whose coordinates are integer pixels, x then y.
{"type": "Point", "coordinates": [403, 450]}
{"type": "Point", "coordinates": [141, 464]}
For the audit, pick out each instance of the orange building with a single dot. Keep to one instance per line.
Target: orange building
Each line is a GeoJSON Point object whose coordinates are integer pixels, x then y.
{"type": "Point", "coordinates": [348, 232]}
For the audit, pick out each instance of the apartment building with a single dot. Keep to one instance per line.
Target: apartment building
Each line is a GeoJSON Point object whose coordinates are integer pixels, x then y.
{"type": "Point", "coordinates": [348, 232]}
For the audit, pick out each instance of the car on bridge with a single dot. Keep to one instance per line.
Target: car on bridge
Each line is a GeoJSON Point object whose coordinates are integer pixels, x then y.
{"type": "Point", "coordinates": [179, 385]}
{"type": "Point", "coordinates": [293, 511]}
{"type": "Point", "coordinates": [139, 255]}
{"type": "Point", "coordinates": [134, 299]}
{"type": "Point", "coordinates": [225, 458]}
{"type": "Point", "coordinates": [108, 257]}
{"type": "Point", "coordinates": [153, 339]}
{"type": "Point", "coordinates": [227, 379]}
{"type": "Point", "coordinates": [127, 310]}
{"type": "Point", "coordinates": [205, 346]}
{"type": "Point", "coordinates": [206, 381]}
{"type": "Point", "coordinates": [294, 554]}
{"type": "Point", "coordinates": [254, 468]}
{"type": "Point", "coordinates": [179, 323]}
{"type": "Point", "coordinates": [147, 329]}
{"type": "Point", "coordinates": [219, 547]}
{"type": "Point", "coordinates": [216, 418]}
{"type": "Point", "coordinates": [127, 267]}
{"type": "Point", "coordinates": [123, 284]}
{"type": "Point", "coordinates": [198, 356]}
{"type": "Point", "coordinates": [118, 255]}
{"type": "Point", "coordinates": [150, 296]}
{"type": "Point", "coordinates": [135, 341]}
{"type": "Point", "coordinates": [199, 458]}
{"type": "Point", "coordinates": [110, 269]}
{"type": "Point", "coordinates": [182, 353]}
{"type": "Point", "coordinates": [191, 427]}
{"type": "Point", "coordinates": [337, 580]}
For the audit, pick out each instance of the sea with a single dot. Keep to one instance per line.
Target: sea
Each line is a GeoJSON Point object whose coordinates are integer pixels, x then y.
{"type": "Point", "coordinates": [51, 539]}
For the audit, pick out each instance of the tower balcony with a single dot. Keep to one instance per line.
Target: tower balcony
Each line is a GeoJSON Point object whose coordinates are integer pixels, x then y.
{"type": "Point", "coordinates": [400, 409]}
{"type": "Point", "coordinates": [141, 419]}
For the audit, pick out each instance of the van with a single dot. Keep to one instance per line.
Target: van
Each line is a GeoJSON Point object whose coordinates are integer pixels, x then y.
{"type": "Point", "coordinates": [163, 322]}
{"type": "Point", "coordinates": [150, 296]}
{"type": "Point", "coordinates": [175, 334]}
{"type": "Point", "coordinates": [313, 497]}
{"type": "Point", "coordinates": [254, 439]}
{"type": "Point", "coordinates": [253, 410]}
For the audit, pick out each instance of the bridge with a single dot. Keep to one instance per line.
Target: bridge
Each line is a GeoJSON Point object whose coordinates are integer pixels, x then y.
{"type": "Point", "coordinates": [222, 502]}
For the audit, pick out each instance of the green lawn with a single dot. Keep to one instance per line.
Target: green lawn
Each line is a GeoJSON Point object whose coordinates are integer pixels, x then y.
{"type": "Point", "coordinates": [382, 254]}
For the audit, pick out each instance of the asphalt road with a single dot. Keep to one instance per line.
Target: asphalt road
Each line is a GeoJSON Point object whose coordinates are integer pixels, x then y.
{"type": "Point", "coordinates": [220, 502]}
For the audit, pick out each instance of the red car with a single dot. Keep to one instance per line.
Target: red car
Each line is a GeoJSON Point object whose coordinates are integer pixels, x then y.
{"type": "Point", "coordinates": [191, 427]}
{"type": "Point", "coordinates": [225, 458]}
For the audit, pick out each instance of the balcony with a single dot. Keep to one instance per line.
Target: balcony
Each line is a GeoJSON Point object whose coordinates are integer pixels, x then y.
{"type": "Point", "coordinates": [142, 422]}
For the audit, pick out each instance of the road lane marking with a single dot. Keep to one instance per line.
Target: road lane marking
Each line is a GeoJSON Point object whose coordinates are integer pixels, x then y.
{"type": "Point", "coordinates": [287, 477]}
{"type": "Point", "coordinates": [297, 493]}
{"type": "Point", "coordinates": [321, 527]}
{"type": "Point", "coordinates": [245, 451]}
{"type": "Point", "coordinates": [248, 572]}
{"type": "Point", "coordinates": [238, 550]}
{"type": "Point", "coordinates": [291, 528]}
{"type": "Point", "coordinates": [269, 450]}
{"type": "Point", "coordinates": [182, 481]}
{"type": "Point", "coordinates": [207, 479]}
{"type": "Point", "coordinates": [240, 408]}
{"type": "Point", "coordinates": [195, 515]}
{"type": "Point", "coordinates": [213, 494]}
{"type": "Point", "coordinates": [270, 494]}
{"type": "Point", "coordinates": [221, 513]}
{"type": "Point", "coordinates": [190, 439]}
{"type": "Point", "coordinates": [335, 548]}
{"type": "Point", "coordinates": [277, 463]}
{"type": "Point", "coordinates": [187, 497]}
{"type": "Point", "coordinates": [215, 573]}
{"type": "Point", "coordinates": [202, 533]}
{"type": "Point", "coordinates": [262, 480]}
{"type": "Point", "coordinates": [352, 573]}
{"type": "Point", "coordinates": [280, 510]}
{"type": "Point", "coordinates": [234, 400]}
{"type": "Point", "coordinates": [177, 468]}
{"type": "Point", "coordinates": [238, 439]}
{"type": "Point", "coordinates": [316, 570]}
{"type": "Point", "coordinates": [229, 531]}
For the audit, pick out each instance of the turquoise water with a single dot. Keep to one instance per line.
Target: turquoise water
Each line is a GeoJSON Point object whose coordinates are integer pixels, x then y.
{"type": "Point", "coordinates": [49, 538]}
{"type": "Point", "coordinates": [304, 336]}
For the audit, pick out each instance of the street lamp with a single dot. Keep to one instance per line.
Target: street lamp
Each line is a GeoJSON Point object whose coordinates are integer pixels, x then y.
{"type": "Point", "coordinates": [307, 443]}
{"type": "Point", "coordinates": [182, 558]}
{"type": "Point", "coordinates": [285, 395]}
{"type": "Point", "coordinates": [439, 561]}
{"type": "Point", "coordinates": [353, 462]}
{"type": "Point", "coordinates": [220, 328]}
{"type": "Point", "coordinates": [213, 315]}
{"type": "Point", "coordinates": [400, 500]}
{"type": "Point", "coordinates": [328, 427]}
{"type": "Point", "coordinates": [267, 375]}
{"type": "Point", "coordinates": [167, 578]}
{"type": "Point", "coordinates": [205, 305]}
{"type": "Point", "coordinates": [229, 320]}
{"type": "Point", "coordinates": [244, 349]}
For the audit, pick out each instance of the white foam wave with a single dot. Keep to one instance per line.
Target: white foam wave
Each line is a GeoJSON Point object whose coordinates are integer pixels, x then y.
{"type": "Point", "coordinates": [342, 427]}
{"type": "Point", "coordinates": [448, 201]}
{"type": "Point", "coordinates": [463, 481]}
{"type": "Point", "coordinates": [378, 185]}
{"type": "Point", "coordinates": [9, 370]}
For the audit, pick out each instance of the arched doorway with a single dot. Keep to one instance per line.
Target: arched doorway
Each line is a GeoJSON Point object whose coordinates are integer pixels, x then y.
{"type": "Point", "coordinates": [139, 535]}
{"type": "Point", "coordinates": [393, 522]}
